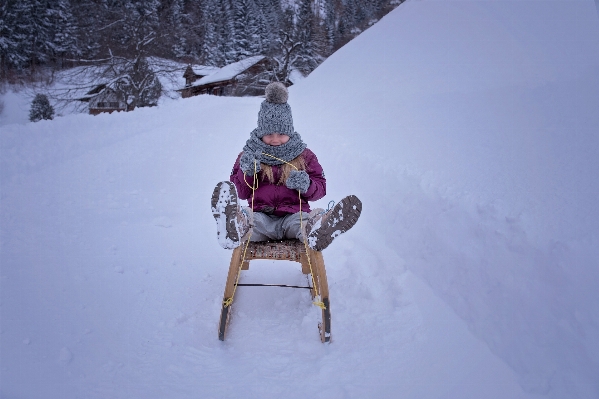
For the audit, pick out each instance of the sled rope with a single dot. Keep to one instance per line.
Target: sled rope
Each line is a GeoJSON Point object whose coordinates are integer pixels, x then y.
{"type": "Point", "coordinates": [330, 206]}
{"type": "Point", "coordinates": [318, 301]}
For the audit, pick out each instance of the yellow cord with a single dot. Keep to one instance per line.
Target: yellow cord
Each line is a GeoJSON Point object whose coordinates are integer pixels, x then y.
{"type": "Point", "coordinates": [318, 302]}
{"type": "Point", "coordinates": [229, 301]}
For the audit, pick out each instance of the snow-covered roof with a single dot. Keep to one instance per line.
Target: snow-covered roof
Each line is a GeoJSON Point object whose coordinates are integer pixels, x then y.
{"type": "Point", "coordinates": [230, 71]}
{"type": "Point", "coordinates": [92, 93]}
{"type": "Point", "coordinates": [204, 70]}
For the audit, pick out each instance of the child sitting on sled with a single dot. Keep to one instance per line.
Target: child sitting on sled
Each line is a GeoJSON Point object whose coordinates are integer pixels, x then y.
{"type": "Point", "coordinates": [278, 175]}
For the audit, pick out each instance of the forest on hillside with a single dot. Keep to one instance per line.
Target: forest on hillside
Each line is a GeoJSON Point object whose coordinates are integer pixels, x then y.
{"type": "Point", "coordinates": [51, 35]}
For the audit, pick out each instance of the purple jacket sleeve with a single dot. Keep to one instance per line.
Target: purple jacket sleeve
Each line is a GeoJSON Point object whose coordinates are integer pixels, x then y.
{"type": "Point", "coordinates": [318, 183]}
{"type": "Point", "coordinates": [244, 190]}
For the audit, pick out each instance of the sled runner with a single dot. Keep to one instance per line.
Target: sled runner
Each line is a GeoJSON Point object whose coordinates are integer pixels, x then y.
{"type": "Point", "coordinates": [290, 250]}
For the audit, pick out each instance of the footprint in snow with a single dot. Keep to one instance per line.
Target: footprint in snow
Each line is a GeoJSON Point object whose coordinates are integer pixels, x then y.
{"type": "Point", "coordinates": [65, 356]}
{"type": "Point", "coordinates": [163, 221]}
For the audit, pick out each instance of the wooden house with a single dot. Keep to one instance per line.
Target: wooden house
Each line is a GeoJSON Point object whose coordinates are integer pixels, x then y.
{"type": "Point", "coordinates": [247, 77]}
{"type": "Point", "coordinates": [197, 72]}
{"type": "Point", "coordinates": [105, 99]}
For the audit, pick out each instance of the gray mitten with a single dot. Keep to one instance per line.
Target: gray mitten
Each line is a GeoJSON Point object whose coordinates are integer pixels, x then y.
{"type": "Point", "coordinates": [298, 180]}
{"type": "Point", "coordinates": [246, 162]}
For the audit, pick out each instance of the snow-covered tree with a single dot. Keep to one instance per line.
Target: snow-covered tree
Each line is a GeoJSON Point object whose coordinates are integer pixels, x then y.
{"type": "Point", "coordinates": [140, 84]}
{"type": "Point", "coordinates": [217, 44]}
{"type": "Point", "coordinates": [305, 34]}
{"type": "Point", "coordinates": [41, 108]}
{"type": "Point", "coordinates": [288, 57]}
{"type": "Point", "coordinates": [59, 33]}
{"type": "Point", "coordinates": [64, 32]}
{"type": "Point", "coordinates": [330, 28]}
{"type": "Point", "coordinates": [226, 51]}
{"type": "Point", "coordinates": [36, 32]}
{"type": "Point", "coordinates": [177, 24]}
{"type": "Point", "coordinates": [246, 38]}
{"type": "Point", "coordinates": [7, 43]}
{"type": "Point", "coordinates": [269, 23]}
{"type": "Point", "coordinates": [92, 25]}
{"type": "Point", "coordinates": [32, 32]}
{"type": "Point", "coordinates": [209, 54]}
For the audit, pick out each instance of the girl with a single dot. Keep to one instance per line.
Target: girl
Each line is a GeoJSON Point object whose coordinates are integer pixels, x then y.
{"type": "Point", "coordinates": [278, 175]}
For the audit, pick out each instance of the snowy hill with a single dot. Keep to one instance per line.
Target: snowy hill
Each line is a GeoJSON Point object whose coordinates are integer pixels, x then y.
{"type": "Point", "coordinates": [468, 129]}
{"type": "Point", "coordinates": [481, 120]}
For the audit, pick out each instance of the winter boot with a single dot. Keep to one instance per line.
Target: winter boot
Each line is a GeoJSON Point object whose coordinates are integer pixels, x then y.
{"type": "Point", "coordinates": [232, 222]}
{"type": "Point", "coordinates": [323, 227]}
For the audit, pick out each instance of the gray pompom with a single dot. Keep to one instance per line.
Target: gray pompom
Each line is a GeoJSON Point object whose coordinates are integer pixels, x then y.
{"type": "Point", "coordinates": [277, 93]}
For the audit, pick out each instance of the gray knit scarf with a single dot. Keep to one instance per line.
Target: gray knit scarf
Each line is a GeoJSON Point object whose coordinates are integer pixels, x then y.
{"type": "Point", "coordinates": [288, 151]}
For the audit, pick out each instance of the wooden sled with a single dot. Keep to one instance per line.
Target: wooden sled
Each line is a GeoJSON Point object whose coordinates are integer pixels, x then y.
{"type": "Point", "coordinates": [290, 250]}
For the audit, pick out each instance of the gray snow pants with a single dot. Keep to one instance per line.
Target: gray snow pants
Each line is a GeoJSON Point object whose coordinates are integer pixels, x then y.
{"type": "Point", "coordinates": [271, 227]}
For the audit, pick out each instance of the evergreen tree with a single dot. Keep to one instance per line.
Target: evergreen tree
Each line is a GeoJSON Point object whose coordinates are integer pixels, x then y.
{"type": "Point", "coordinates": [330, 28]}
{"type": "Point", "coordinates": [226, 52]}
{"type": "Point", "coordinates": [141, 24]}
{"type": "Point", "coordinates": [246, 38]}
{"type": "Point", "coordinates": [180, 48]}
{"type": "Point", "coordinates": [32, 32]}
{"type": "Point", "coordinates": [7, 44]}
{"type": "Point", "coordinates": [261, 42]}
{"type": "Point", "coordinates": [91, 27]}
{"type": "Point", "coordinates": [346, 21]}
{"type": "Point", "coordinates": [40, 108]}
{"type": "Point", "coordinates": [213, 19]}
{"type": "Point", "coordinates": [64, 31]}
{"type": "Point", "coordinates": [269, 24]}
{"type": "Point", "coordinates": [212, 32]}
{"type": "Point", "coordinates": [188, 36]}
{"type": "Point", "coordinates": [305, 34]}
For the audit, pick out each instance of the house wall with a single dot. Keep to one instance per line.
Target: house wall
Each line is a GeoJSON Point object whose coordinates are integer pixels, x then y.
{"type": "Point", "coordinates": [106, 102]}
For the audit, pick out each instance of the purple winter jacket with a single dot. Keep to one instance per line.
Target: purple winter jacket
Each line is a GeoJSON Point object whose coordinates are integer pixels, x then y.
{"type": "Point", "coordinates": [278, 199]}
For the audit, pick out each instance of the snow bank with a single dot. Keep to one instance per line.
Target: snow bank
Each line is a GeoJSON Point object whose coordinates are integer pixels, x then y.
{"type": "Point", "coordinates": [481, 120]}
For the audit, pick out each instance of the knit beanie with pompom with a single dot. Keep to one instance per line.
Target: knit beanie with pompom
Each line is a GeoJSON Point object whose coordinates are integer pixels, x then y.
{"type": "Point", "coordinates": [274, 117]}
{"type": "Point", "coordinates": [275, 113]}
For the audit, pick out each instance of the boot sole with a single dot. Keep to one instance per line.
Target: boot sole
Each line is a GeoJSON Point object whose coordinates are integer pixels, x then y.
{"type": "Point", "coordinates": [224, 209]}
{"type": "Point", "coordinates": [343, 217]}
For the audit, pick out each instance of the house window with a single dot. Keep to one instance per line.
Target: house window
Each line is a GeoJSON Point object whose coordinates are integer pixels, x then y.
{"type": "Point", "coordinates": [111, 104]}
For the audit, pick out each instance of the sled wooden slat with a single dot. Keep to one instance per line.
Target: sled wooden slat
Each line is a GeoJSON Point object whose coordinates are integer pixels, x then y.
{"type": "Point", "coordinates": [321, 280]}
{"type": "Point", "coordinates": [284, 250]}
{"type": "Point", "coordinates": [225, 313]}
{"type": "Point", "coordinates": [290, 250]}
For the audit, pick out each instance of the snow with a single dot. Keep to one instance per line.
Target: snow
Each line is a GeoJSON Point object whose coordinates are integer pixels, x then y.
{"type": "Point", "coordinates": [204, 70]}
{"type": "Point", "coordinates": [228, 72]}
{"type": "Point", "coordinates": [467, 129]}
{"type": "Point", "coordinates": [16, 107]}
